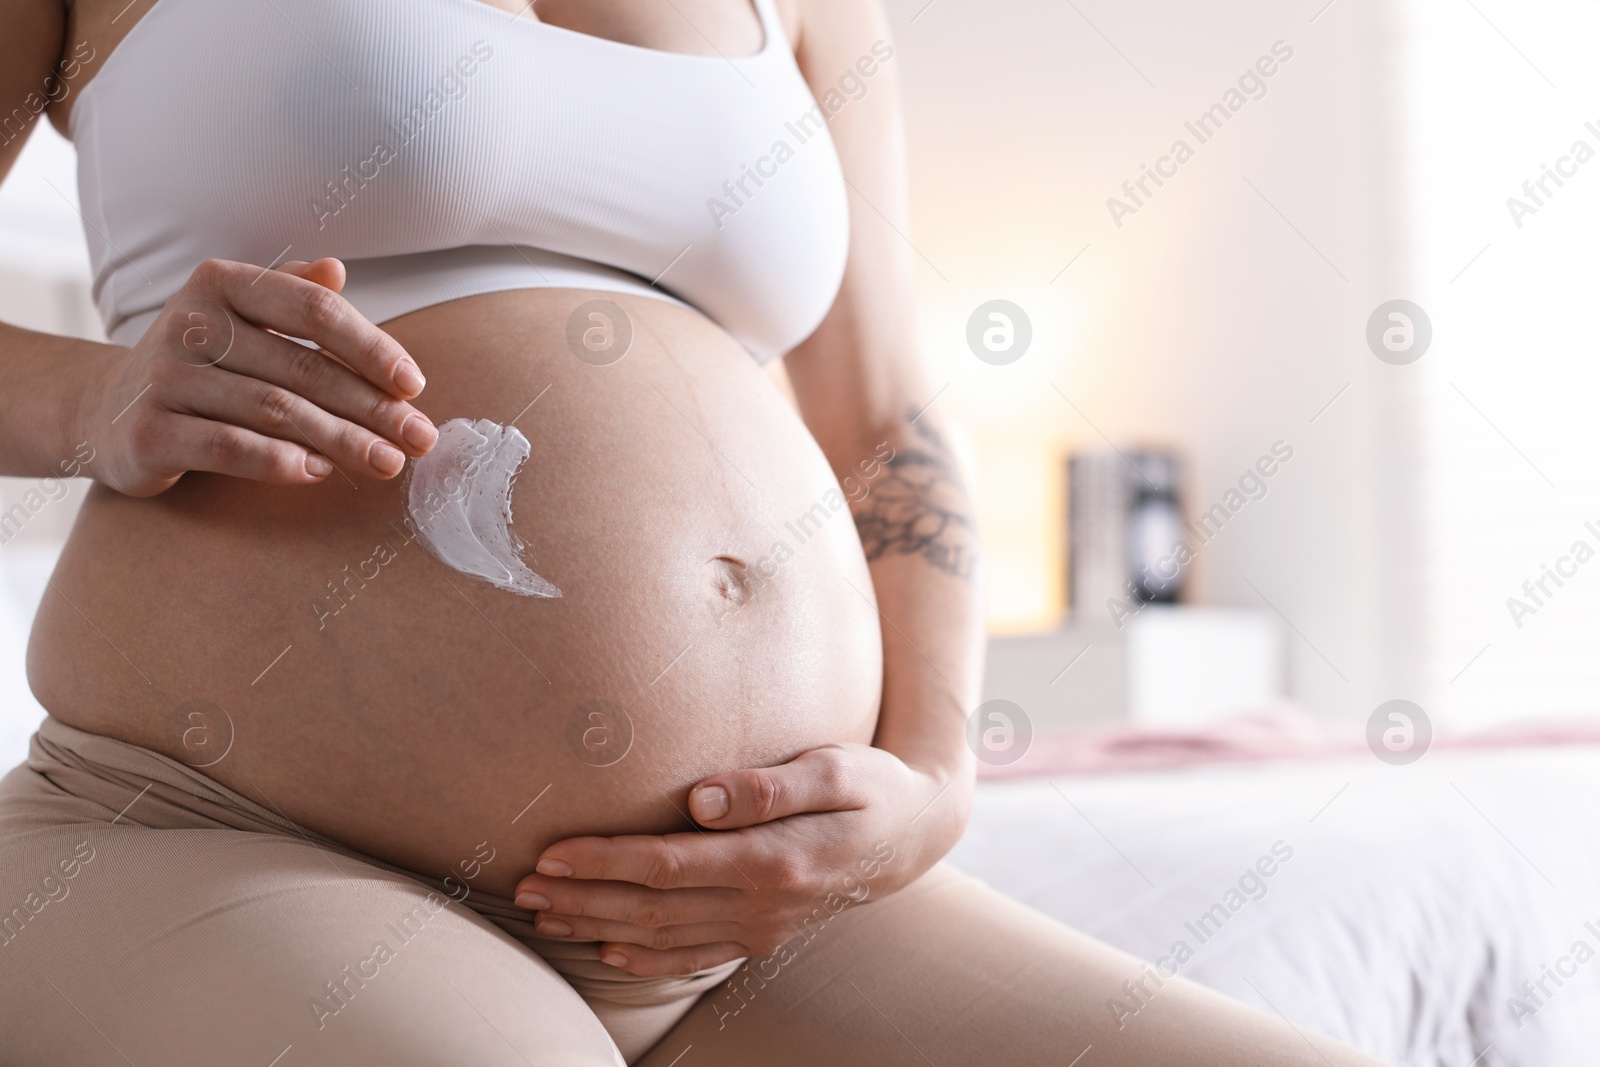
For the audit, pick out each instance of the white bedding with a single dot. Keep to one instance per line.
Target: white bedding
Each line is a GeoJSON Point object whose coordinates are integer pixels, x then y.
{"type": "Point", "coordinates": [1416, 902]}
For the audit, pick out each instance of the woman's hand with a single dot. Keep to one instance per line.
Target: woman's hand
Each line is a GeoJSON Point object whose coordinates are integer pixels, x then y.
{"type": "Point", "coordinates": [212, 386]}
{"type": "Point", "coordinates": [838, 825]}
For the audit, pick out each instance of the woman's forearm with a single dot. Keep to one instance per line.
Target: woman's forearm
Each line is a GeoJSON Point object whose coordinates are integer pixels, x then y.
{"type": "Point", "coordinates": [921, 543]}
{"type": "Point", "coordinates": [43, 380]}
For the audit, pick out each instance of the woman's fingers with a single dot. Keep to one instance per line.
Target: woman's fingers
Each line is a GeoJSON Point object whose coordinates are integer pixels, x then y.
{"type": "Point", "coordinates": [822, 779]}
{"type": "Point", "coordinates": [182, 443]}
{"type": "Point", "coordinates": [622, 902]}
{"type": "Point", "coordinates": [273, 411]}
{"type": "Point", "coordinates": [670, 861]}
{"type": "Point", "coordinates": [683, 935]}
{"type": "Point", "coordinates": [652, 963]}
{"type": "Point", "coordinates": [335, 389]}
{"type": "Point", "coordinates": [289, 304]}
{"type": "Point", "coordinates": [327, 272]}
{"type": "Point", "coordinates": [220, 386]}
{"type": "Point", "coordinates": [363, 412]}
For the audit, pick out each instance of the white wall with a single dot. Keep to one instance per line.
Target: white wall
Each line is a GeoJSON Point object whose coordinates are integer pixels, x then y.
{"type": "Point", "coordinates": [1205, 321]}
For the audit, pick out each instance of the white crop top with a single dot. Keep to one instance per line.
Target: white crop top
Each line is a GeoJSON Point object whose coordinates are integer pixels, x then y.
{"type": "Point", "coordinates": [443, 148]}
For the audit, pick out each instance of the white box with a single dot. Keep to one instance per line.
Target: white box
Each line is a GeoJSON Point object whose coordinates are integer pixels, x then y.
{"type": "Point", "coordinates": [1169, 667]}
{"type": "Point", "coordinates": [1189, 666]}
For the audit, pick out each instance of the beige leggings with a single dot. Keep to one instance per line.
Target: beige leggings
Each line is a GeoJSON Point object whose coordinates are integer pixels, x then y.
{"type": "Point", "coordinates": [149, 916]}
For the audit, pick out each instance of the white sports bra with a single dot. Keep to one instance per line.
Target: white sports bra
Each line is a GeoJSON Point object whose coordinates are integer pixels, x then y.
{"type": "Point", "coordinates": [442, 148]}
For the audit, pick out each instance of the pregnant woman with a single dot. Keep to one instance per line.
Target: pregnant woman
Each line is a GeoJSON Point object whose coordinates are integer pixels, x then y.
{"type": "Point", "coordinates": [468, 654]}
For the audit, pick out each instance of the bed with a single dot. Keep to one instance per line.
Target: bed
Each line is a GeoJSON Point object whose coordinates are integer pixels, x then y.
{"type": "Point", "coordinates": [1416, 903]}
{"type": "Point", "coordinates": [1405, 909]}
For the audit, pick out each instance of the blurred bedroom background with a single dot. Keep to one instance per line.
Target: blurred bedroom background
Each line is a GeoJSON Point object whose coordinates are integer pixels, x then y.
{"type": "Point", "coordinates": [1219, 316]}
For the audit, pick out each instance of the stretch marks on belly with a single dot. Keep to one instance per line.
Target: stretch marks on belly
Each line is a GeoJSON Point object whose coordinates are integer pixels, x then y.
{"type": "Point", "coordinates": [459, 502]}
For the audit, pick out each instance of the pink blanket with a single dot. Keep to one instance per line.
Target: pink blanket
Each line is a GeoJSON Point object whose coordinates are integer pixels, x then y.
{"type": "Point", "coordinates": [1281, 732]}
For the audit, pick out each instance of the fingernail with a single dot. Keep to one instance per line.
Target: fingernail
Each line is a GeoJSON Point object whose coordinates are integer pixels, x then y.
{"type": "Point", "coordinates": [709, 802]}
{"type": "Point", "coordinates": [385, 458]}
{"type": "Point", "coordinates": [419, 433]}
{"type": "Point", "coordinates": [553, 927]}
{"type": "Point", "coordinates": [318, 466]}
{"type": "Point", "coordinates": [533, 901]}
{"type": "Point", "coordinates": [615, 959]}
{"type": "Point", "coordinates": [409, 378]}
{"type": "Point", "coordinates": [554, 869]}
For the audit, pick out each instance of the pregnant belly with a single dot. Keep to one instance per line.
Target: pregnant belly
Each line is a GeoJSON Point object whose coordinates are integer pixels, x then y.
{"type": "Point", "coordinates": [305, 647]}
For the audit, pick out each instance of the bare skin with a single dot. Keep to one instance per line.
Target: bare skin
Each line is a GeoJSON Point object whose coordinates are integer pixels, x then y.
{"type": "Point", "coordinates": [808, 715]}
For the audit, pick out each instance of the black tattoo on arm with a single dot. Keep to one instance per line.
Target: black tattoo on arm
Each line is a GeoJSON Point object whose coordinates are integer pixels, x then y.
{"type": "Point", "coordinates": [919, 507]}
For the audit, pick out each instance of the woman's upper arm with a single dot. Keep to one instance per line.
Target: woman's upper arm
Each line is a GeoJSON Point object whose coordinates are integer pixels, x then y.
{"type": "Point", "coordinates": [860, 370]}
{"type": "Point", "coordinates": [31, 32]}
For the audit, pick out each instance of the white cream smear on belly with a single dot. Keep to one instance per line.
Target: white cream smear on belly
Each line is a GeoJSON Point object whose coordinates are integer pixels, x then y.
{"type": "Point", "coordinates": [459, 501]}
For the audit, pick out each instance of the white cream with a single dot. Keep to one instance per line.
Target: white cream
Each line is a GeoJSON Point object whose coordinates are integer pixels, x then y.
{"type": "Point", "coordinates": [459, 502]}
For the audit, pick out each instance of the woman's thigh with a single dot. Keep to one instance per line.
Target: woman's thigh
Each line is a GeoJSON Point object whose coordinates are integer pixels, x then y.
{"type": "Point", "coordinates": [948, 971]}
{"type": "Point", "coordinates": [122, 945]}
